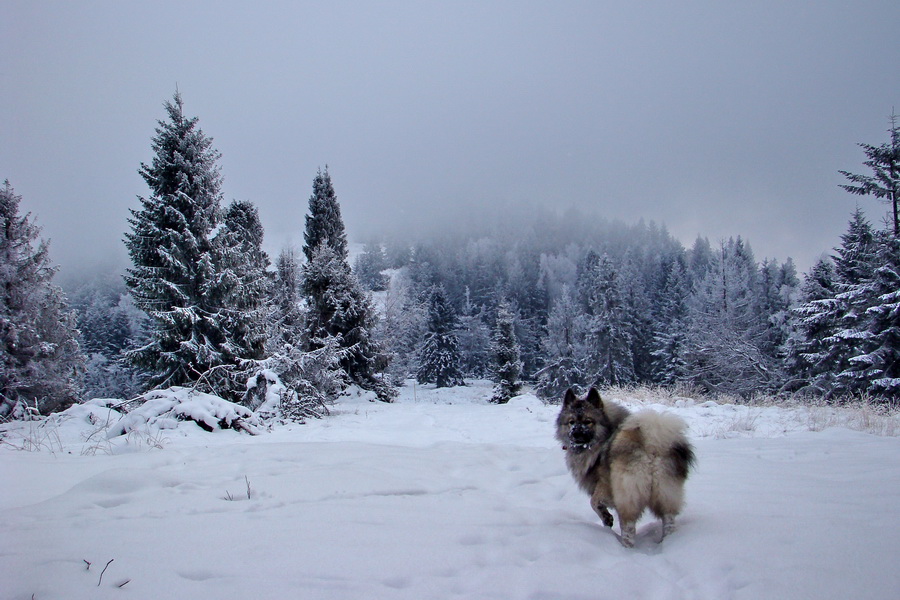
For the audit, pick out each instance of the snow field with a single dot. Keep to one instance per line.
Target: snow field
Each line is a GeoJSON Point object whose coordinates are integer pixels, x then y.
{"type": "Point", "coordinates": [442, 495]}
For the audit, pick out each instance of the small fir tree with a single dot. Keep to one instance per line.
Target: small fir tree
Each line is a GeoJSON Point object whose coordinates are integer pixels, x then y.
{"type": "Point", "coordinates": [874, 331]}
{"type": "Point", "coordinates": [439, 357]}
{"type": "Point", "coordinates": [286, 319]}
{"type": "Point", "coordinates": [880, 360]}
{"type": "Point", "coordinates": [508, 363]}
{"type": "Point", "coordinates": [813, 320]}
{"type": "Point", "coordinates": [855, 263]}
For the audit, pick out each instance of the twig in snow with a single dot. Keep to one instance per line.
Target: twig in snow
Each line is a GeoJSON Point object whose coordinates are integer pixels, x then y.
{"type": "Point", "coordinates": [88, 568]}
{"type": "Point", "coordinates": [123, 584]}
{"type": "Point", "coordinates": [248, 486]}
{"type": "Point", "coordinates": [104, 571]}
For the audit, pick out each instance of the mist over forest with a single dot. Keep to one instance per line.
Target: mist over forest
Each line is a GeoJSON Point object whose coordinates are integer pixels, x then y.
{"type": "Point", "coordinates": [549, 298]}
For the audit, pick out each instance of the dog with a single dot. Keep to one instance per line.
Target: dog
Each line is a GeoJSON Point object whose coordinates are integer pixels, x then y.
{"type": "Point", "coordinates": [624, 461]}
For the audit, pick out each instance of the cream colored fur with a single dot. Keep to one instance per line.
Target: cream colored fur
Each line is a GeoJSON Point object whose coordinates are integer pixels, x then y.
{"type": "Point", "coordinates": [641, 475]}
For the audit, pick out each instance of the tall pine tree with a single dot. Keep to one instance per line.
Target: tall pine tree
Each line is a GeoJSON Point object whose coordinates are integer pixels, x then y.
{"type": "Point", "coordinates": [338, 306]}
{"type": "Point", "coordinates": [174, 277]}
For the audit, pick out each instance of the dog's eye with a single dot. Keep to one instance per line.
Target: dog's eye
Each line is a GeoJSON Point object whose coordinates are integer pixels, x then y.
{"type": "Point", "coordinates": [571, 422]}
{"type": "Point", "coordinates": [589, 423]}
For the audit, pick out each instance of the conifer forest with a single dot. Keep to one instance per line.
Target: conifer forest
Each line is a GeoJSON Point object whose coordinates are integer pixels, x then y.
{"type": "Point", "coordinates": [549, 299]}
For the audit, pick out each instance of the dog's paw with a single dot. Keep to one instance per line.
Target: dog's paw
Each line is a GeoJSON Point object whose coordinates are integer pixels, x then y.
{"type": "Point", "coordinates": [628, 535]}
{"type": "Point", "coordinates": [606, 517]}
{"type": "Point", "coordinates": [669, 526]}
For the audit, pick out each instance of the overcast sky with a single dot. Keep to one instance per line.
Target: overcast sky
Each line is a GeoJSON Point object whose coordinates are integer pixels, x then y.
{"type": "Point", "coordinates": [712, 117]}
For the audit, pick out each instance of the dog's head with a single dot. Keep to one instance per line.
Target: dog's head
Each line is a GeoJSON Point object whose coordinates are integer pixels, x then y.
{"type": "Point", "coordinates": [582, 422]}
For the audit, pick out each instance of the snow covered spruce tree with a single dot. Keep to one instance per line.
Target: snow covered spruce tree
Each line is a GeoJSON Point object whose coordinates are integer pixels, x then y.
{"type": "Point", "coordinates": [474, 340]}
{"type": "Point", "coordinates": [286, 317]}
{"type": "Point", "coordinates": [875, 367]}
{"type": "Point", "coordinates": [813, 319]}
{"type": "Point", "coordinates": [884, 183]}
{"type": "Point", "coordinates": [401, 326]}
{"type": "Point", "coordinates": [337, 305]}
{"type": "Point", "coordinates": [40, 360]}
{"type": "Point", "coordinates": [109, 324]}
{"type": "Point", "coordinates": [669, 344]}
{"type": "Point", "coordinates": [242, 281]}
{"type": "Point", "coordinates": [507, 361]}
{"type": "Point", "coordinates": [324, 224]}
{"type": "Point", "coordinates": [564, 349]}
{"type": "Point", "coordinates": [181, 273]}
{"type": "Point", "coordinates": [727, 333]}
{"type": "Point", "coordinates": [290, 382]}
{"type": "Point", "coordinates": [609, 332]}
{"type": "Point", "coordinates": [854, 262]}
{"type": "Point", "coordinates": [439, 356]}
{"type": "Point", "coordinates": [369, 266]}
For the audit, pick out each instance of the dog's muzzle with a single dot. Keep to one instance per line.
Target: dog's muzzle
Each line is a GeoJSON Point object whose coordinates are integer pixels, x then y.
{"type": "Point", "coordinates": [581, 436]}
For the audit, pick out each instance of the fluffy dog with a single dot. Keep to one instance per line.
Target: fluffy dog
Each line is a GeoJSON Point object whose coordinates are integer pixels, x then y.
{"type": "Point", "coordinates": [628, 462]}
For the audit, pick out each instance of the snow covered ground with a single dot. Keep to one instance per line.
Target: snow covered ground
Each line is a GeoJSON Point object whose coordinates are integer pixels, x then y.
{"type": "Point", "coordinates": [439, 495]}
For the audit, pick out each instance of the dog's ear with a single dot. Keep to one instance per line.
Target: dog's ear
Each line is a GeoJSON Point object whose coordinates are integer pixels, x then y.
{"type": "Point", "coordinates": [593, 398]}
{"type": "Point", "coordinates": [569, 398]}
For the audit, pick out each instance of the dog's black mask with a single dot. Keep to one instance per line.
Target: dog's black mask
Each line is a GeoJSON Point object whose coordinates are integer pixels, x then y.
{"type": "Point", "coordinates": [581, 435]}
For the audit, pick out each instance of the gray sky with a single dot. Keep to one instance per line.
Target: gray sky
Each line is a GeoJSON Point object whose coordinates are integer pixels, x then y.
{"type": "Point", "coordinates": [714, 118]}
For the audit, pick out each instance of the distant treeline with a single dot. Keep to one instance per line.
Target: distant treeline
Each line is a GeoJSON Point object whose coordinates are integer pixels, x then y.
{"type": "Point", "coordinates": [557, 300]}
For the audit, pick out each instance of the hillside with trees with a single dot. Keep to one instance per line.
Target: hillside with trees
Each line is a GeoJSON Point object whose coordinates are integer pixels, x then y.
{"type": "Point", "coordinates": [549, 299]}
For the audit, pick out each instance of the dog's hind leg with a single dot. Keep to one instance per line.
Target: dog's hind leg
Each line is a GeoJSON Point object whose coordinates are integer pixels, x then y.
{"type": "Point", "coordinates": [668, 523]}
{"type": "Point", "coordinates": [628, 532]}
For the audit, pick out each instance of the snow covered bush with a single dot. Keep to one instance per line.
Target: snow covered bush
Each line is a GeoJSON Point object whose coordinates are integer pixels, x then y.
{"type": "Point", "coordinates": [296, 385]}
{"type": "Point", "coordinates": [163, 408]}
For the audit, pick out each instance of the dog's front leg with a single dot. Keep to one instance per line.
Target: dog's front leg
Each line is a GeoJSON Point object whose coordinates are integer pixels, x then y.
{"type": "Point", "coordinates": [600, 503]}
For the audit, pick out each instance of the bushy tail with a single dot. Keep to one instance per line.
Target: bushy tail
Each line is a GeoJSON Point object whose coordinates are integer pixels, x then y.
{"type": "Point", "coordinates": [664, 436]}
